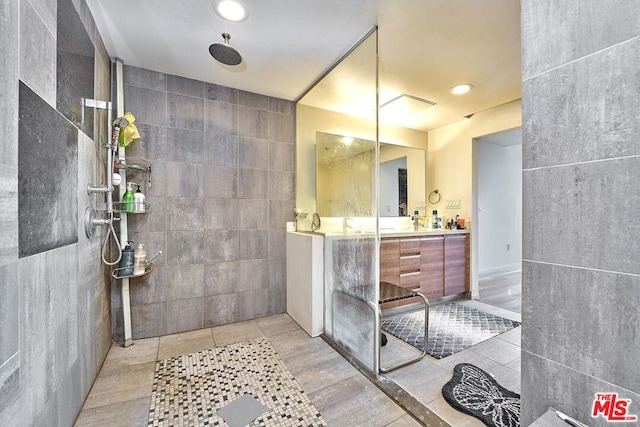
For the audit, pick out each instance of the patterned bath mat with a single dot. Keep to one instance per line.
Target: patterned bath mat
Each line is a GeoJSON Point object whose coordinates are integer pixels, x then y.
{"type": "Point", "coordinates": [452, 328]}
{"type": "Point", "coordinates": [474, 392]}
{"type": "Point", "coordinates": [188, 390]}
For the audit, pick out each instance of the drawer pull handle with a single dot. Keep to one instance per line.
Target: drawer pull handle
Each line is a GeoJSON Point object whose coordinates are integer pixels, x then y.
{"type": "Point", "coordinates": [412, 273]}
{"type": "Point", "coordinates": [409, 256]}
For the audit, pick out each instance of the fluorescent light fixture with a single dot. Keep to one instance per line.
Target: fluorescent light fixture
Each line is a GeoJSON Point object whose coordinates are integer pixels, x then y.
{"type": "Point", "coordinates": [461, 89]}
{"type": "Point", "coordinates": [400, 108]}
{"type": "Point", "coordinates": [347, 140]}
{"type": "Point", "coordinates": [231, 10]}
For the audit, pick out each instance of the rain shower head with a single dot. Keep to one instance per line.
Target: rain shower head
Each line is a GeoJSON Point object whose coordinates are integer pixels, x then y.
{"type": "Point", "coordinates": [224, 53]}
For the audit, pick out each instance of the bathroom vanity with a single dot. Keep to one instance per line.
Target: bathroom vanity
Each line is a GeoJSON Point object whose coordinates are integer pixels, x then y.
{"type": "Point", "coordinates": [434, 263]}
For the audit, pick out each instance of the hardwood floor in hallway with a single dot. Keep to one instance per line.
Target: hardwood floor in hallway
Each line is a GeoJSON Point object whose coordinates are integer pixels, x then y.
{"type": "Point", "coordinates": [504, 291]}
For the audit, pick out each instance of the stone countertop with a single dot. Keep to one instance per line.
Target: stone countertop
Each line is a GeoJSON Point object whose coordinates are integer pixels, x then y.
{"type": "Point", "coordinates": [389, 233]}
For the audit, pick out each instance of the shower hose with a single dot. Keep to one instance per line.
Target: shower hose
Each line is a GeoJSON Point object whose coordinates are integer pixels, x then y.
{"type": "Point", "coordinates": [104, 245]}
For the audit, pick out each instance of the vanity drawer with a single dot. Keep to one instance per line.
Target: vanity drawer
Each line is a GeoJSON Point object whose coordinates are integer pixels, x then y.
{"type": "Point", "coordinates": [409, 263]}
{"type": "Point", "coordinates": [409, 247]}
{"type": "Point", "coordinates": [410, 280]}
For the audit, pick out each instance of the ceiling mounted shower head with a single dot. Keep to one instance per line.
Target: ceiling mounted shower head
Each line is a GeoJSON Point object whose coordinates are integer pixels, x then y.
{"type": "Point", "coordinates": [224, 53]}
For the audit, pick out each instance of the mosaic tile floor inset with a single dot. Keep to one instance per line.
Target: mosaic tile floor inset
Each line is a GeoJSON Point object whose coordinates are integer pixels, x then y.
{"type": "Point", "coordinates": [189, 389]}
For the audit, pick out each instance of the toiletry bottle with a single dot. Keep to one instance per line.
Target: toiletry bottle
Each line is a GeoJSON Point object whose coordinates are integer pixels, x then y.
{"type": "Point", "coordinates": [138, 201]}
{"type": "Point", "coordinates": [126, 261]}
{"type": "Point", "coordinates": [128, 198]}
{"type": "Point", "coordinates": [140, 260]}
{"type": "Point", "coordinates": [434, 219]}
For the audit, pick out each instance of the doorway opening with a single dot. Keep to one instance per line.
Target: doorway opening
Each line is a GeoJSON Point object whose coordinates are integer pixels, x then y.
{"type": "Point", "coordinates": [499, 219]}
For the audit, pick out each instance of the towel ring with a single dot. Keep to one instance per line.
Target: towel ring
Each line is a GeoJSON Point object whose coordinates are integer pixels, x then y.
{"type": "Point", "coordinates": [437, 194]}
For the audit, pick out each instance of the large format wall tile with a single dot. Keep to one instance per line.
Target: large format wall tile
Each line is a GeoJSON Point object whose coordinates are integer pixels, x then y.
{"type": "Point", "coordinates": [187, 146]}
{"type": "Point", "coordinates": [10, 392]}
{"type": "Point", "coordinates": [186, 282]}
{"type": "Point", "coordinates": [151, 146]}
{"type": "Point", "coordinates": [282, 156]}
{"type": "Point", "coordinates": [598, 113]}
{"type": "Point", "coordinates": [254, 214]}
{"type": "Point", "coordinates": [149, 320]}
{"type": "Point", "coordinates": [253, 100]}
{"type": "Point", "coordinates": [589, 312]}
{"type": "Point", "coordinates": [546, 383]}
{"type": "Point", "coordinates": [253, 123]}
{"type": "Point", "coordinates": [185, 112]}
{"type": "Point", "coordinates": [147, 105]}
{"type": "Point", "coordinates": [253, 153]}
{"type": "Point", "coordinates": [252, 275]}
{"type": "Point", "coordinates": [282, 128]}
{"type": "Point", "coordinates": [221, 93]}
{"type": "Point", "coordinates": [184, 213]}
{"type": "Point", "coordinates": [221, 278]}
{"type": "Point", "coordinates": [47, 176]}
{"type": "Point", "coordinates": [253, 304]}
{"type": "Point", "coordinates": [9, 67]}
{"type": "Point", "coordinates": [8, 214]}
{"type": "Point", "coordinates": [185, 86]}
{"type": "Point", "coordinates": [141, 77]}
{"type": "Point", "coordinates": [566, 204]}
{"type": "Point", "coordinates": [9, 314]}
{"type": "Point", "coordinates": [220, 118]}
{"type": "Point", "coordinates": [555, 33]}
{"type": "Point", "coordinates": [253, 184]}
{"type": "Point", "coordinates": [222, 214]}
{"type": "Point", "coordinates": [282, 106]}
{"type": "Point", "coordinates": [37, 54]}
{"type": "Point", "coordinates": [220, 310]}
{"type": "Point", "coordinates": [221, 150]}
{"type": "Point", "coordinates": [185, 315]}
{"type": "Point", "coordinates": [75, 68]}
{"type": "Point", "coordinates": [185, 247]}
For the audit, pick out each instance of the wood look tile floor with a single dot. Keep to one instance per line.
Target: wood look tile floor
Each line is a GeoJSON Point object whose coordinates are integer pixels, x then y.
{"type": "Point", "coordinates": [121, 394]}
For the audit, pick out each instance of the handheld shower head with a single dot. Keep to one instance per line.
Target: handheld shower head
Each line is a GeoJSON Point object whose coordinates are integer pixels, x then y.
{"type": "Point", "coordinates": [224, 53]}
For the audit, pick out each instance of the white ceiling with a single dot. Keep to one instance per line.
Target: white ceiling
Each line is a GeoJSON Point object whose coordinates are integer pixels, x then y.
{"type": "Point", "coordinates": [505, 139]}
{"type": "Point", "coordinates": [426, 46]}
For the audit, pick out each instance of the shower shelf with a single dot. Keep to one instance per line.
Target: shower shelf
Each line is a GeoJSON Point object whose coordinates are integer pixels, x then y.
{"type": "Point", "coordinates": [115, 274]}
{"type": "Point", "coordinates": [118, 208]}
{"type": "Point", "coordinates": [135, 165]}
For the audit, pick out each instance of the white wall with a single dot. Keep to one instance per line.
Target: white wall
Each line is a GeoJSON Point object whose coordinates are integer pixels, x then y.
{"type": "Point", "coordinates": [499, 222]}
{"type": "Point", "coordinates": [450, 165]}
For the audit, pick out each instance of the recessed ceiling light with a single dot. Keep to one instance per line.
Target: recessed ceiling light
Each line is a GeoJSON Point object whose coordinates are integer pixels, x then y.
{"type": "Point", "coordinates": [461, 89]}
{"type": "Point", "coordinates": [231, 10]}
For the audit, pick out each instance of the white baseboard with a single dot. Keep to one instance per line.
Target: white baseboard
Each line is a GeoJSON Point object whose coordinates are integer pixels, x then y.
{"type": "Point", "coordinates": [499, 271]}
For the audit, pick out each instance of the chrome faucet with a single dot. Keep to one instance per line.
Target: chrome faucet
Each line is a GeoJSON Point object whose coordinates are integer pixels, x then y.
{"type": "Point", "coordinates": [345, 225]}
{"type": "Point", "coordinates": [416, 221]}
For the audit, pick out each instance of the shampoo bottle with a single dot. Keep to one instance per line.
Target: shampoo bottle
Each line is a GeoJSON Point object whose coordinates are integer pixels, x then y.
{"type": "Point", "coordinates": [128, 199]}
{"type": "Point", "coordinates": [140, 260]}
{"type": "Point", "coordinates": [138, 198]}
{"type": "Point", "coordinates": [126, 261]}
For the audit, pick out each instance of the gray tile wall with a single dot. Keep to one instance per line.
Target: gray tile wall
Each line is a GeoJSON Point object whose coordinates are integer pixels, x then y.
{"type": "Point", "coordinates": [581, 160]}
{"type": "Point", "coordinates": [55, 316]}
{"type": "Point", "coordinates": [222, 190]}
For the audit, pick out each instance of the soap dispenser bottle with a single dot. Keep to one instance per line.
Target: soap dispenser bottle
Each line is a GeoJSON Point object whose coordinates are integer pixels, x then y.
{"type": "Point", "coordinates": [138, 198]}
{"type": "Point", "coordinates": [140, 260]}
{"type": "Point", "coordinates": [128, 199]}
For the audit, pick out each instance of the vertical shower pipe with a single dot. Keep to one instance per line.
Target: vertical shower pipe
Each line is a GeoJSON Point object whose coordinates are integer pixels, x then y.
{"type": "Point", "coordinates": [124, 234]}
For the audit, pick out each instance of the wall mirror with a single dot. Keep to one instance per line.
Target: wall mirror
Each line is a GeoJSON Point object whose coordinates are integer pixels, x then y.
{"type": "Point", "coordinates": [345, 177]}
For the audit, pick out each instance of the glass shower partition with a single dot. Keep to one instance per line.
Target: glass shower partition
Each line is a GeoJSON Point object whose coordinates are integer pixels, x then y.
{"type": "Point", "coordinates": [343, 190]}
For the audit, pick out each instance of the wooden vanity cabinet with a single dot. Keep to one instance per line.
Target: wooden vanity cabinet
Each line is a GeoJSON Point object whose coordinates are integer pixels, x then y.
{"type": "Point", "coordinates": [435, 265]}
{"type": "Point", "coordinates": [432, 266]}
{"type": "Point", "coordinates": [456, 264]}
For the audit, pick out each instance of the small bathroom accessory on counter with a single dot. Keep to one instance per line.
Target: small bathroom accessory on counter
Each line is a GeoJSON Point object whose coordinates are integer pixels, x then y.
{"type": "Point", "coordinates": [138, 201]}
{"type": "Point", "coordinates": [140, 260]}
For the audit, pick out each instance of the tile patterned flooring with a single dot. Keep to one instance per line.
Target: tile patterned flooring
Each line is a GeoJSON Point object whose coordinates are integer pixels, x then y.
{"type": "Point", "coordinates": [503, 291]}
{"type": "Point", "coordinates": [121, 394]}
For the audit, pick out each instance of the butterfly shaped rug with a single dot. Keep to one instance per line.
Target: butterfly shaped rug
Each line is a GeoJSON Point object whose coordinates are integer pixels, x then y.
{"type": "Point", "coordinates": [475, 392]}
